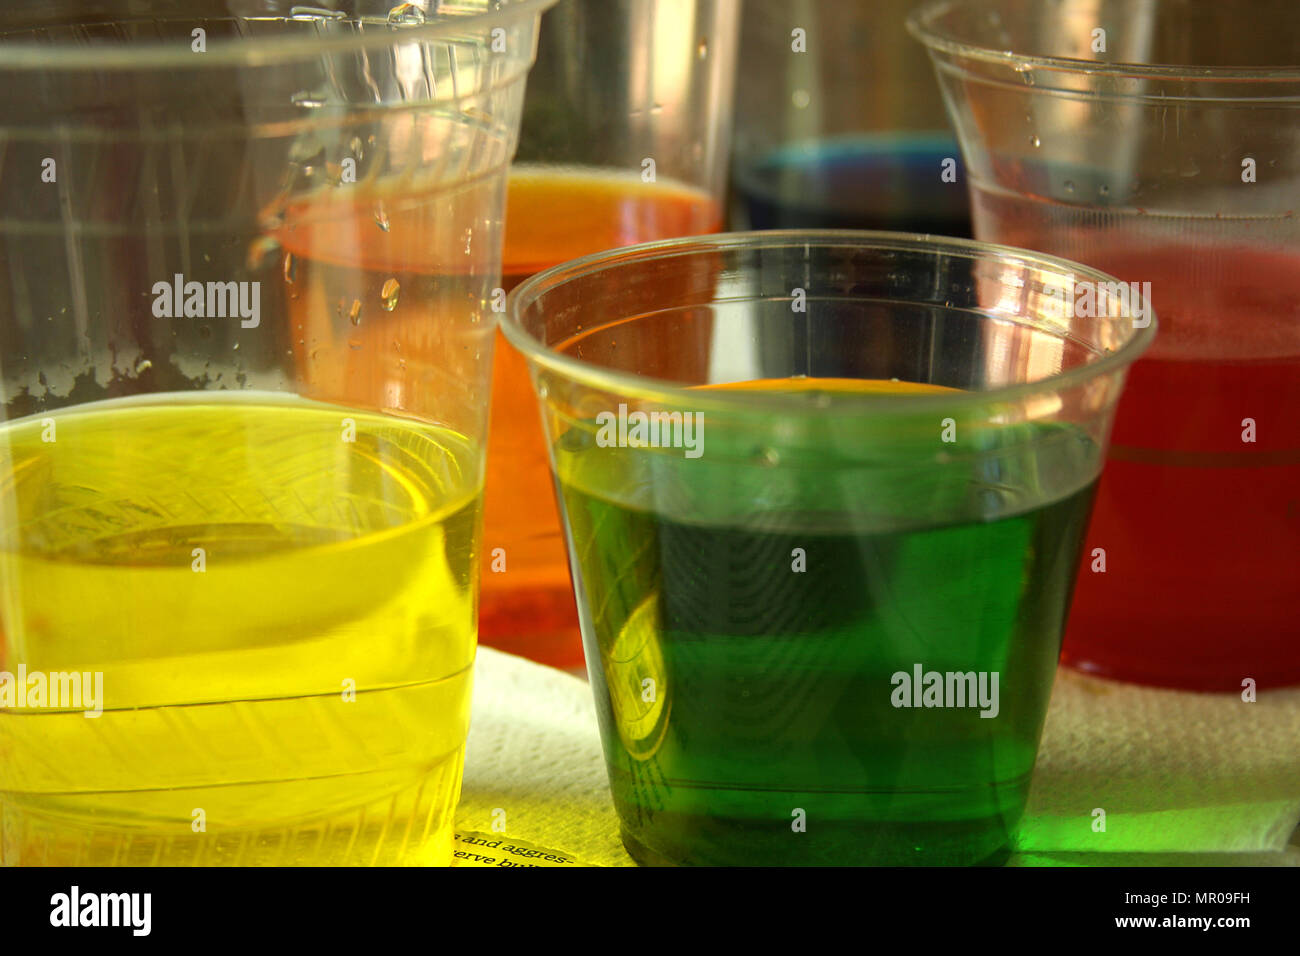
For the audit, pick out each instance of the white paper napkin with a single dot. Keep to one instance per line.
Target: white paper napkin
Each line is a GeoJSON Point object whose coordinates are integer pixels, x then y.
{"type": "Point", "coordinates": [533, 761]}
{"type": "Point", "coordinates": [1173, 771]}
{"type": "Point", "coordinates": [1183, 778]}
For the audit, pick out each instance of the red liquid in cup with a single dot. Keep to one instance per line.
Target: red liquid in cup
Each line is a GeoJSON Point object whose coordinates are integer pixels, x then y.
{"type": "Point", "coordinates": [1201, 529]}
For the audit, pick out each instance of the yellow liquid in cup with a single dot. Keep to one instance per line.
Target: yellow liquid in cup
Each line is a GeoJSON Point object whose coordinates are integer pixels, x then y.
{"type": "Point", "coordinates": [279, 596]}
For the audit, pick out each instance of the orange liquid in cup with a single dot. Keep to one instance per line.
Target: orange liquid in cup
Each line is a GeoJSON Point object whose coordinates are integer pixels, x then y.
{"type": "Point", "coordinates": [553, 215]}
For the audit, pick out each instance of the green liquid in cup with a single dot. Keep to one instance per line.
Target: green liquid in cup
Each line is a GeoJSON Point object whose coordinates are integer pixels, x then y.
{"type": "Point", "coordinates": [748, 708]}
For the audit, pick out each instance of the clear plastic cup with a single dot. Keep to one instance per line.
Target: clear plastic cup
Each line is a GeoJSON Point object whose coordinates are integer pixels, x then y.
{"type": "Point", "coordinates": [801, 474]}
{"type": "Point", "coordinates": [624, 140]}
{"type": "Point", "coordinates": [247, 340]}
{"type": "Point", "coordinates": [1161, 143]}
{"type": "Point", "coordinates": [839, 123]}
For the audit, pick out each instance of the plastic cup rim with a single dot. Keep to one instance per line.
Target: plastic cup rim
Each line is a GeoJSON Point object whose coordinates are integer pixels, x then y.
{"type": "Point", "coordinates": [919, 24]}
{"type": "Point", "coordinates": [254, 51]}
{"type": "Point", "coordinates": [674, 394]}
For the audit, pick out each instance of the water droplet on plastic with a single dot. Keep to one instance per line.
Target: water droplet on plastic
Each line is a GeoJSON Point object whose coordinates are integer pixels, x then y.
{"type": "Point", "coordinates": [354, 313]}
{"type": "Point", "coordinates": [307, 100]}
{"type": "Point", "coordinates": [388, 294]}
{"type": "Point", "coordinates": [702, 51]}
{"type": "Point", "coordinates": [290, 268]}
{"type": "Point", "coordinates": [357, 149]}
{"type": "Point", "coordinates": [143, 366]}
{"type": "Point", "coordinates": [1069, 186]}
{"type": "Point", "coordinates": [259, 250]}
{"type": "Point", "coordinates": [768, 456]}
{"type": "Point", "coordinates": [308, 151]}
{"type": "Point", "coordinates": [1035, 142]}
{"type": "Point", "coordinates": [406, 13]}
{"type": "Point", "coordinates": [235, 347]}
{"type": "Point", "coordinates": [381, 218]}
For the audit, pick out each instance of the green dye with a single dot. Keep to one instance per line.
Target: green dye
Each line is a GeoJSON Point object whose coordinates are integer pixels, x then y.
{"type": "Point", "coordinates": [751, 608]}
